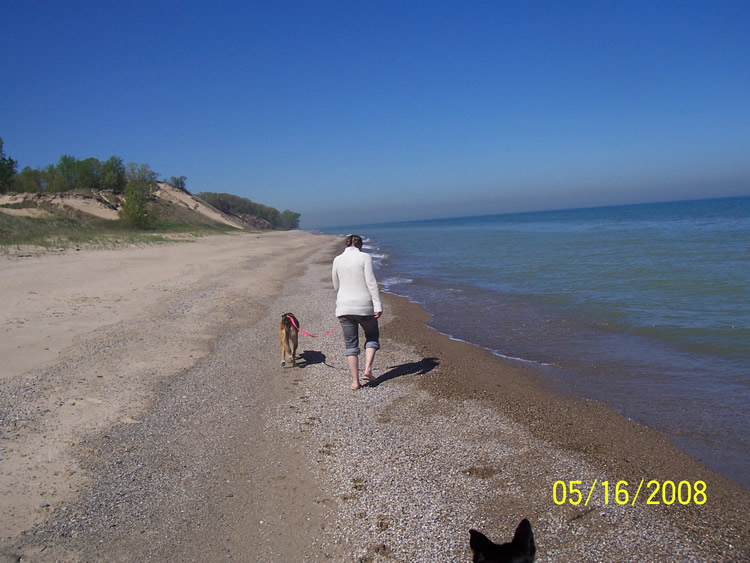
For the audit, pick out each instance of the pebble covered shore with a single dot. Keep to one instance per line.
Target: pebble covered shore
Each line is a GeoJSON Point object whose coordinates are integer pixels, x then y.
{"type": "Point", "coordinates": [240, 458]}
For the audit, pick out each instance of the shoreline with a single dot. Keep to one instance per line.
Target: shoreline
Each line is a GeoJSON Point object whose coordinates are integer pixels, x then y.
{"type": "Point", "coordinates": [620, 447]}
{"type": "Point", "coordinates": [536, 372]}
{"type": "Point", "coordinates": [226, 454]}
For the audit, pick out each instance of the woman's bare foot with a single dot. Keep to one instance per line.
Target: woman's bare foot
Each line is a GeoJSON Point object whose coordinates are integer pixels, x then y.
{"type": "Point", "coordinates": [353, 362]}
{"type": "Point", "coordinates": [369, 377]}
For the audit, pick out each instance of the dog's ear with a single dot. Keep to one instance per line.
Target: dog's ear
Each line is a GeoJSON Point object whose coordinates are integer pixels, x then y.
{"type": "Point", "coordinates": [524, 539]}
{"type": "Point", "coordinates": [521, 550]}
{"type": "Point", "coordinates": [481, 546]}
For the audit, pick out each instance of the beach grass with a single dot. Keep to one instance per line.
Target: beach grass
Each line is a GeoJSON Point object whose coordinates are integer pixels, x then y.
{"type": "Point", "coordinates": [62, 230]}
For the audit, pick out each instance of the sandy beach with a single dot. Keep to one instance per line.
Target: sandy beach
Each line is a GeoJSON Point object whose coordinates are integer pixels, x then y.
{"type": "Point", "coordinates": [144, 416]}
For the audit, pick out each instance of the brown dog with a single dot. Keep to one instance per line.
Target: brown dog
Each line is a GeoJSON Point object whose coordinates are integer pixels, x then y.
{"type": "Point", "coordinates": [288, 334]}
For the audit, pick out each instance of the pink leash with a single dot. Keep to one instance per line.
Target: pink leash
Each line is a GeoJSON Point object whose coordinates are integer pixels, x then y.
{"type": "Point", "coordinates": [307, 333]}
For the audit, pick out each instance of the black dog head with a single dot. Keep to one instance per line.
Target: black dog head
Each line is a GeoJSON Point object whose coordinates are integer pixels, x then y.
{"type": "Point", "coordinates": [521, 550]}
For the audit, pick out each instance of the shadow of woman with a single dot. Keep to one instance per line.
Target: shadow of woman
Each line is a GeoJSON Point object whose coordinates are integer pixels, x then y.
{"type": "Point", "coordinates": [423, 366]}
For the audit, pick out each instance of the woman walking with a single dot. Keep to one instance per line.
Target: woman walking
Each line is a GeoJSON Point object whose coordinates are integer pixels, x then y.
{"type": "Point", "coordinates": [357, 305]}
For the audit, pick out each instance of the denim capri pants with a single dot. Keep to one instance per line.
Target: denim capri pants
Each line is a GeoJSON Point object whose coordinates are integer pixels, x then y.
{"type": "Point", "coordinates": [350, 326]}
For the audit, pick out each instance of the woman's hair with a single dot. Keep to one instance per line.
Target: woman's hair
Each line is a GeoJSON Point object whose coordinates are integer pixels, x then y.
{"type": "Point", "coordinates": [354, 240]}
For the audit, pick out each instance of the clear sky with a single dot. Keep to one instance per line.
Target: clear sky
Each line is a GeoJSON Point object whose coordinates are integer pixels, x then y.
{"type": "Point", "coordinates": [355, 112]}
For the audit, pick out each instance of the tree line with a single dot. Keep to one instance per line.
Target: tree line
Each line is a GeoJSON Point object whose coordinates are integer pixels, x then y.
{"type": "Point", "coordinates": [136, 182]}
{"type": "Point", "coordinates": [239, 206]}
{"type": "Point", "coordinates": [71, 174]}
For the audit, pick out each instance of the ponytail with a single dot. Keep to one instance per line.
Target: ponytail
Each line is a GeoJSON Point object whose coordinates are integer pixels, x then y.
{"type": "Point", "coordinates": [355, 241]}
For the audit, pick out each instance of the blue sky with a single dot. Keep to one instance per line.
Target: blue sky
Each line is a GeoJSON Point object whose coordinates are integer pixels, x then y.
{"type": "Point", "coordinates": [360, 112]}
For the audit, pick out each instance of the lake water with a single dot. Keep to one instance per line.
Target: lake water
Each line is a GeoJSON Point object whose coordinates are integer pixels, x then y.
{"type": "Point", "coordinates": [645, 308]}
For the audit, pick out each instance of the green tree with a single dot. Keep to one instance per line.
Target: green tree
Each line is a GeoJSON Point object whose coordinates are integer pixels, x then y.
{"type": "Point", "coordinates": [49, 178]}
{"type": "Point", "coordinates": [88, 173]}
{"type": "Point", "coordinates": [112, 175]}
{"type": "Point", "coordinates": [289, 220]}
{"type": "Point", "coordinates": [7, 170]}
{"type": "Point", "coordinates": [178, 182]}
{"type": "Point", "coordinates": [271, 215]}
{"type": "Point", "coordinates": [135, 210]}
{"type": "Point", "coordinates": [29, 180]}
{"type": "Point", "coordinates": [141, 173]}
{"type": "Point", "coordinates": [63, 176]}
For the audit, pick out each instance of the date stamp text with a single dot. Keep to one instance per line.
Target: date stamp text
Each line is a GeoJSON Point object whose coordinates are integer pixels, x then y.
{"type": "Point", "coordinates": [623, 492]}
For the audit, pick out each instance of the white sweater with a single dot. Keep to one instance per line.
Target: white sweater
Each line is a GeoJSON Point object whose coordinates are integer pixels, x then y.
{"type": "Point", "coordinates": [355, 283]}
